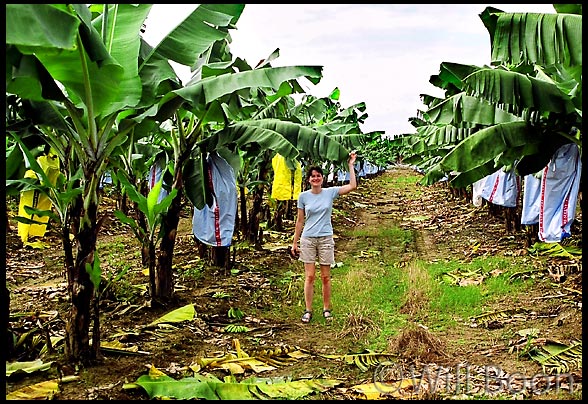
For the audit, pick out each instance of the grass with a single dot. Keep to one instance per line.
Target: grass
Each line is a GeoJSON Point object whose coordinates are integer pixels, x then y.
{"type": "Point", "coordinates": [371, 285]}
{"type": "Point", "coordinates": [401, 183]}
{"type": "Point", "coordinates": [489, 278]}
{"type": "Point", "coordinates": [377, 282]}
{"type": "Point", "coordinates": [395, 295]}
{"type": "Point", "coordinates": [116, 267]}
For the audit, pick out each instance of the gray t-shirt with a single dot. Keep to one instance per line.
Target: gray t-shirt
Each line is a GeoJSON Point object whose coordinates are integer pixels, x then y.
{"type": "Point", "coordinates": [317, 211]}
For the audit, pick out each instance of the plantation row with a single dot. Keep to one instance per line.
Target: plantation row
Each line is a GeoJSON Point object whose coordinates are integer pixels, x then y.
{"type": "Point", "coordinates": [93, 99]}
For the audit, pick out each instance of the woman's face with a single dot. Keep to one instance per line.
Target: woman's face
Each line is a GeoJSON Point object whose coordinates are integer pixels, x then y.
{"type": "Point", "coordinates": [315, 178]}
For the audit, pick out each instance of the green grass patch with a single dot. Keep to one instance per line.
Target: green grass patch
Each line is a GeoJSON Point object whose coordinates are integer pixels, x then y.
{"type": "Point", "coordinates": [118, 266]}
{"type": "Point", "coordinates": [371, 284]}
{"type": "Point", "coordinates": [461, 290]}
{"type": "Point", "coordinates": [387, 238]}
{"type": "Point", "coordinates": [438, 295]}
{"type": "Point", "coordinates": [400, 181]}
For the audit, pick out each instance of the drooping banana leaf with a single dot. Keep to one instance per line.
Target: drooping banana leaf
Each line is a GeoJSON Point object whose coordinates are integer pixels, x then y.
{"type": "Point", "coordinates": [94, 81]}
{"type": "Point", "coordinates": [202, 94]}
{"type": "Point", "coordinates": [215, 87]}
{"type": "Point", "coordinates": [542, 39]}
{"type": "Point", "coordinates": [351, 141]}
{"type": "Point", "coordinates": [305, 140]}
{"type": "Point", "coordinates": [286, 138]}
{"type": "Point", "coordinates": [186, 42]}
{"type": "Point", "coordinates": [503, 142]}
{"type": "Point", "coordinates": [450, 77]}
{"type": "Point", "coordinates": [507, 87]}
{"type": "Point", "coordinates": [568, 8]}
{"type": "Point", "coordinates": [462, 108]}
{"type": "Point", "coordinates": [568, 80]}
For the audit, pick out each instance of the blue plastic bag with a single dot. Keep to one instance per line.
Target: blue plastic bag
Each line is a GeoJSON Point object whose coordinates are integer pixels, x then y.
{"type": "Point", "coordinates": [560, 185]}
{"type": "Point", "coordinates": [214, 225]}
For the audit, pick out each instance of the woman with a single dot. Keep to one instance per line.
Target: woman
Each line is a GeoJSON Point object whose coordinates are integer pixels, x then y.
{"type": "Point", "coordinates": [316, 241]}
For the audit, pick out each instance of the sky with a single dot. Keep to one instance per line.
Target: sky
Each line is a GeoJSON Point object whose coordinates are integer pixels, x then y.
{"type": "Point", "coordinates": [379, 54]}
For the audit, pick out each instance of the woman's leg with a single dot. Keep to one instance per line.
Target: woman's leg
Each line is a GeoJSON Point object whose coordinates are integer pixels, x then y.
{"type": "Point", "coordinates": [326, 280]}
{"type": "Point", "coordinates": [309, 278]}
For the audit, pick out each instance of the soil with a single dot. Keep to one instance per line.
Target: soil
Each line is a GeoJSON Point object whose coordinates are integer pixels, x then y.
{"type": "Point", "coordinates": [444, 226]}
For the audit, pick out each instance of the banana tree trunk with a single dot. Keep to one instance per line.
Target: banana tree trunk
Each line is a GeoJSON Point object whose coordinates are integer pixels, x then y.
{"type": "Point", "coordinates": [163, 287]}
{"type": "Point", "coordinates": [254, 232]}
{"type": "Point", "coordinates": [221, 257]}
{"type": "Point", "coordinates": [243, 223]}
{"type": "Point", "coordinates": [77, 330]}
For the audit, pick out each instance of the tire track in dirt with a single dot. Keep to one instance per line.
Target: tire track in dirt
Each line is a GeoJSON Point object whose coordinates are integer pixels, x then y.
{"type": "Point", "coordinates": [425, 247]}
{"type": "Point", "coordinates": [397, 206]}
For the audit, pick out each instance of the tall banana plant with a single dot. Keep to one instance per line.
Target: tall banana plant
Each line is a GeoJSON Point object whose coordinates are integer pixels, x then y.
{"type": "Point", "coordinates": [264, 137]}
{"type": "Point", "coordinates": [203, 124]}
{"type": "Point", "coordinates": [88, 65]}
{"type": "Point", "coordinates": [538, 77]}
{"type": "Point", "coordinates": [261, 123]}
{"type": "Point", "coordinates": [446, 121]}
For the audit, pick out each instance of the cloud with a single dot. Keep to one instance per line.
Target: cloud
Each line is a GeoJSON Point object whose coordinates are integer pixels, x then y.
{"type": "Point", "coordinates": [380, 54]}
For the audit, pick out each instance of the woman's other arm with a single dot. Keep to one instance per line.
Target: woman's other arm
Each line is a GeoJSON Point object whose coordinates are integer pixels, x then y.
{"type": "Point", "coordinates": [347, 188]}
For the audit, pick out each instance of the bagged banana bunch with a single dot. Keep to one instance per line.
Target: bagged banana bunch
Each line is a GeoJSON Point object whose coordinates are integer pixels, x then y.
{"type": "Point", "coordinates": [35, 199]}
{"type": "Point", "coordinates": [287, 183]}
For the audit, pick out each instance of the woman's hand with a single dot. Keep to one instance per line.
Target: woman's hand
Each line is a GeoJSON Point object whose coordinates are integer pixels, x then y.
{"type": "Point", "coordinates": [295, 251]}
{"type": "Point", "coordinates": [352, 157]}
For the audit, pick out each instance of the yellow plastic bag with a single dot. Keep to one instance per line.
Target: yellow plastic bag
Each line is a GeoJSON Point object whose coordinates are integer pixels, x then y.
{"type": "Point", "coordinates": [287, 183]}
{"type": "Point", "coordinates": [33, 198]}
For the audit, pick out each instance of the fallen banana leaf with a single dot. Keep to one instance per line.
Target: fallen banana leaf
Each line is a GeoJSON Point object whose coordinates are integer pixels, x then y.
{"type": "Point", "coordinates": [185, 313]}
{"type": "Point", "coordinates": [556, 357]}
{"type": "Point", "coordinates": [56, 340]}
{"type": "Point", "coordinates": [258, 361]}
{"type": "Point", "coordinates": [245, 362]}
{"type": "Point", "coordinates": [556, 250]}
{"type": "Point", "coordinates": [39, 391]}
{"type": "Point", "coordinates": [158, 385]}
{"type": "Point", "coordinates": [486, 318]}
{"type": "Point", "coordinates": [119, 348]}
{"type": "Point", "coordinates": [363, 360]}
{"type": "Point", "coordinates": [404, 388]}
{"type": "Point", "coordinates": [27, 367]}
{"type": "Point", "coordinates": [294, 390]}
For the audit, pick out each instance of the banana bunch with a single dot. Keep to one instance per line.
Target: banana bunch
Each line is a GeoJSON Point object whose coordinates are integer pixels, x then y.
{"type": "Point", "coordinates": [366, 360]}
{"type": "Point", "coordinates": [235, 312]}
{"type": "Point", "coordinates": [235, 328]}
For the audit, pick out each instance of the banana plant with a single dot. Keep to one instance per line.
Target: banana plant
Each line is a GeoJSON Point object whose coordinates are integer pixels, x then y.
{"type": "Point", "coordinates": [154, 211]}
{"type": "Point", "coordinates": [447, 120]}
{"type": "Point", "coordinates": [538, 77]}
{"type": "Point", "coordinates": [456, 120]}
{"type": "Point", "coordinates": [202, 125]}
{"type": "Point", "coordinates": [260, 123]}
{"type": "Point", "coordinates": [89, 65]}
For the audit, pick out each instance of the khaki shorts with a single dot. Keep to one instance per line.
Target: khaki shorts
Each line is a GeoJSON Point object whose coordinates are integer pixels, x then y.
{"type": "Point", "coordinates": [321, 249]}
